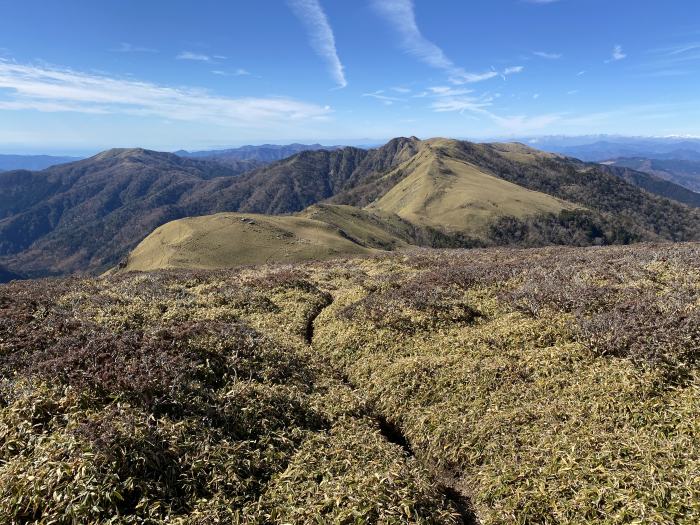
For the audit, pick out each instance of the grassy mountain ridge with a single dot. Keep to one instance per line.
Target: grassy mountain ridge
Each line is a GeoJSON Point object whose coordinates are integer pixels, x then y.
{"type": "Point", "coordinates": [588, 185]}
{"type": "Point", "coordinates": [443, 198]}
{"type": "Point", "coordinates": [226, 240]}
{"type": "Point", "coordinates": [86, 216]}
{"type": "Point", "coordinates": [444, 192]}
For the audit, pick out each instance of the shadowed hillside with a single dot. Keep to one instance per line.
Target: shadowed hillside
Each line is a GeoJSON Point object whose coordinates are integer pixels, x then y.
{"type": "Point", "coordinates": [88, 214]}
{"type": "Point", "coordinates": [7, 276]}
{"type": "Point", "coordinates": [682, 172]}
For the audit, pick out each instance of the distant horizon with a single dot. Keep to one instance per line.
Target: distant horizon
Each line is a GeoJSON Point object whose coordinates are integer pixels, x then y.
{"type": "Point", "coordinates": [361, 143]}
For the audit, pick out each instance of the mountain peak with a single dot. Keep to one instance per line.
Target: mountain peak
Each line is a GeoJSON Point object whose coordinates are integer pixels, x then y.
{"type": "Point", "coordinates": [130, 154]}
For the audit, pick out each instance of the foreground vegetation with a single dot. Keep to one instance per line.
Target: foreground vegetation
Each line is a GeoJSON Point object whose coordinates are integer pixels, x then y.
{"type": "Point", "coordinates": [556, 385]}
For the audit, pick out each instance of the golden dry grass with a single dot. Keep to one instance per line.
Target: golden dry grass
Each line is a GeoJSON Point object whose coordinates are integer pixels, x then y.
{"type": "Point", "coordinates": [227, 240]}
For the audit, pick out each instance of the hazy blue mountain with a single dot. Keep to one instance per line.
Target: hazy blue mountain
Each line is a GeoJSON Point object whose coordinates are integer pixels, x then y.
{"type": "Point", "coordinates": [596, 148]}
{"type": "Point", "coordinates": [31, 162]}
{"type": "Point", "coordinates": [261, 155]}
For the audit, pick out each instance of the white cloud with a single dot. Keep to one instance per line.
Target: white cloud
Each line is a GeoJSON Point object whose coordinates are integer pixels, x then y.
{"type": "Point", "coordinates": [548, 56]}
{"type": "Point", "coordinates": [50, 89]}
{"type": "Point", "coordinates": [401, 14]}
{"type": "Point", "coordinates": [617, 54]}
{"type": "Point", "coordinates": [321, 35]}
{"type": "Point", "coordinates": [189, 55]}
{"type": "Point", "coordinates": [402, 90]}
{"type": "Point", "coordinates": [513, 70]}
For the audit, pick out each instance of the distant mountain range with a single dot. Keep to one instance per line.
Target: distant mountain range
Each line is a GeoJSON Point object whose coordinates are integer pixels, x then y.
{"type": "Point", "coordinates": [31, 162]}
{"type": "Point", "coordinates": [598, 148]}
{"type": "Point", "coordinates": [255, 156]}
{"type": "Point", "coordinates": [86, 216]}
{"type": "Point", "coordinates": [682, 172]}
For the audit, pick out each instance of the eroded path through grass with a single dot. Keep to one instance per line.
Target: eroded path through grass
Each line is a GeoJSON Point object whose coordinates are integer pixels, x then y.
{"type": "Point", "coordinates": [394, 434]}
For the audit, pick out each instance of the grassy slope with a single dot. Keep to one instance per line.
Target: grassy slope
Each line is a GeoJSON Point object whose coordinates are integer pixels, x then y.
{"type": "Point", "coordinates": [443, 192]}
{"type": "Point", "coordinates": [377, 230]}
{"type": "Point", "coordinates": [549, 386]}
{"type": "Point", "coordinates": [226, 240]}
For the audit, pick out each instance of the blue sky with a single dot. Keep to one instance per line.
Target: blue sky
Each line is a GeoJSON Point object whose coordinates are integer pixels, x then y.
{"type": "Point", "coordinates": [79, 75]}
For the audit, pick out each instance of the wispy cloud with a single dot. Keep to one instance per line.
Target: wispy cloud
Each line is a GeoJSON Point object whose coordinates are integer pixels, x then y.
{"type": "Point", "coordinates": [617, 54]}
{"type": "Point", "coordinates": [381, 95]}
{"type": "Point", "coordinates": [447, 91]}
{"type": "Point", "coordinates": [450, 99]}
{"type": "Point", "coordinates": [676, 60]}
{"type": "Point", "coordinates": [513, 70]}
{"type": "Point", "coordinates": [401, 15]}
{"type": "Point", "coordinates": [548, 56]}
{"type": "Point", "coordinates": [240, 72]}
{"type": "Point", "coordinates": [678, 49]}
{"type": "Point", "coordinates": [53, 89]}
{"type": "Point", "coordinates": [126, 47]}
{"type": "Point", "coordinates": [189, 55]}
{"type": "Point", "coordinates": [446, 99]}
{"type": "Point", "coordinates": [321, 36]}
{"type": "Point", "coordinates": [540, 1]}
